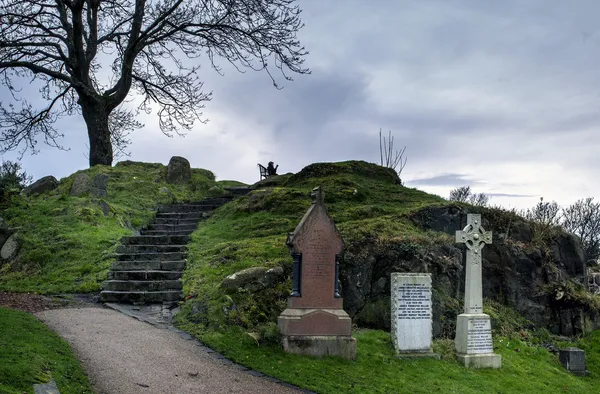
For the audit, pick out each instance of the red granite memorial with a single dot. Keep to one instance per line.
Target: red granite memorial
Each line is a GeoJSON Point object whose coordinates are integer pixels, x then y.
{"type": "Point", "coordinates": [315, 322]}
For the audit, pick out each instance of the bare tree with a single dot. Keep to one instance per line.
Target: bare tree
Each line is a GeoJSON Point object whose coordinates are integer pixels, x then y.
{"type": "Point", "coordinates": [465, 194]}
{"type": "Point", "coordinates": [64, 44]}
{"type": "Point", "coordinates": [583, 219]}
{"type": "Point", "coordinates": [460, 194]}
{"type": "Point", "coordinates": [479, 199]}
{"type": "Point", "coordinates": [390, 158]}
{"type": "Point", "coordinates": [545, 213]}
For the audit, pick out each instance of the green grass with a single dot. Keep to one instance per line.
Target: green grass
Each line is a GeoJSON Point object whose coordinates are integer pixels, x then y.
{"type": "Point", "coordinates": [30, 354]}
{"type": "Point", "coordinates": [525, 368]}
{"type": "Point", "coordinates": [67, 242]}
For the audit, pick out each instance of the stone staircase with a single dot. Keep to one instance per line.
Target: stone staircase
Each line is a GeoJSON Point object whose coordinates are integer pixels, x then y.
{"type": "Point", "coordinates": [149, 266]}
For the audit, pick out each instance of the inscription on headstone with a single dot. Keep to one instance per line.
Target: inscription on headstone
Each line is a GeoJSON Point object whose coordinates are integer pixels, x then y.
{"type": "Point", "coordinates": [480, 336]}
{"type": "Point", "coordinates": [411, 313]}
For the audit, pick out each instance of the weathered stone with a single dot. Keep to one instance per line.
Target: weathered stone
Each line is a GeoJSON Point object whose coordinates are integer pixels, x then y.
{"type": "Point", "coordinates": [411, 314]}
{"type": "Point", "coordinates": [521, 231]}
{"type": "Point", "coordinates": [5, 232]}
{"type": "Point", "coordinates": [105, 207]}
{"type": "Point", "coordinates": [81, 184]}
{"type": "Point", "coordinates": [179, 170]}
{"type": "Point", "coordinates": [573, 359]}
{"type": "Point", "coordinates": [567, 250]}
{"type": "Point", "coordinates": [46, 388]}
{"type": "Point", "coordinates": [99, 186]}
{"type": "Point", "coordinates": [42, 185]}
{"type": "Point", "coordinates": [253, 278]}
{"type": "Point", "coordinates": [10, 248]}
{"type": "Point", "coordinates": [315, 307]}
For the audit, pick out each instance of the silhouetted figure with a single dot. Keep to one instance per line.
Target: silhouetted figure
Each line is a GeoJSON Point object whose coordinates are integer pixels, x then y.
{"type": "Point", "coordinates": [272, 170]}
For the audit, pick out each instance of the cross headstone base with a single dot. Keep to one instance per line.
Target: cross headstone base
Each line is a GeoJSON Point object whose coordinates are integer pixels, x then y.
{"type": "Point", "coordinates": [473, 341]}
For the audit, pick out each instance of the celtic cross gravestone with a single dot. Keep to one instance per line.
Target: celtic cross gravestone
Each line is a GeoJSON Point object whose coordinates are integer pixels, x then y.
{"type": "Point", "coordinates": [473, 340]}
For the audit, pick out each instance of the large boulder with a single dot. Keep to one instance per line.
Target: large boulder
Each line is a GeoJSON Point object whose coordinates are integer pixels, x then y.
{"type": "Point", "coordinates": [42, 185]}
{"type": "Point", "coordinates": [254, 279]}
{"type": "Point", "coordinates": [99, 186]}
{"type": "Point", "coordinates": [179, 170]}
{"type": "Point", "coordinates": [81, 184]}
{"type": "Point", "coordinates": [10, 248]}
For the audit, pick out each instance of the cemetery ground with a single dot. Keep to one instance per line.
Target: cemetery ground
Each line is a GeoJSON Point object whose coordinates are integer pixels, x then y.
{"type": "Point", "coordinates": [67, 245]}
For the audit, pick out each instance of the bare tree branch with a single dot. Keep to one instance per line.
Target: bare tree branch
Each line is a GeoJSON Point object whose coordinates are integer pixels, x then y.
{"type": "Point", "coordinates": [148, 45]}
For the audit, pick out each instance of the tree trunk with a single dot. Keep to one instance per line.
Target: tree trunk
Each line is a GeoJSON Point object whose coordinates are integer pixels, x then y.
{"type": "Point", "coordinates": [96, 119]}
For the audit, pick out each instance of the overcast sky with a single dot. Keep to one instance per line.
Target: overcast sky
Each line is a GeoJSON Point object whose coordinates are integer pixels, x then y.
{"type": "Point", "coordinates": [502, 96]}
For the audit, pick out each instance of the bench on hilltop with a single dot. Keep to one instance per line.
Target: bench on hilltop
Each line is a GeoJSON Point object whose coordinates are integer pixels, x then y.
{"type": "Point", "coordinates": [263, 172]}
{"type": "Point", "coordinates": [268, 171]}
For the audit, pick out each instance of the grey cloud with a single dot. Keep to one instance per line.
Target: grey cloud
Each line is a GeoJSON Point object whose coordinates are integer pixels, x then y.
{"type": "Point", "coordinates": [509, 195]}
{"type": "Point", "coordinates": [445, 180]}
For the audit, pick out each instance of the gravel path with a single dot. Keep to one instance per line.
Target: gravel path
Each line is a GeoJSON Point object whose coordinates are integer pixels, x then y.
{"type": "Point", "coordinates": [125, 356]}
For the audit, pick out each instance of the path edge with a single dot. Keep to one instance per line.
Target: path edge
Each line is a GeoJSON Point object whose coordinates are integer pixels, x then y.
{"type": "Point", "coordinates": [214, 354]}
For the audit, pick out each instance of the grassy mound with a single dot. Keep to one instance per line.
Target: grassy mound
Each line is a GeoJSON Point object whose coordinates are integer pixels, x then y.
{"type": "Point", "coordinates": [33, 354]}
{"type": "Point", "coordinates": [67, 242]}
{"type": "Point", "coordinates": [364, 200]}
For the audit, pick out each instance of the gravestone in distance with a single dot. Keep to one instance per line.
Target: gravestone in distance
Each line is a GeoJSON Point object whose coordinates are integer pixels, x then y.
{"type": "Point", "coordinates": [411, 314]}
{"type": "Point", "coordinates": [573, 359]}
{"type": "Point", "coordinates": [474, 346]}
{"type": "Point", "coordinates": [315, 322]}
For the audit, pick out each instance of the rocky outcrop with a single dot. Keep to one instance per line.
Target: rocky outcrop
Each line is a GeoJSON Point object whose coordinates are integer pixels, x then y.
{"type": "Point", "coordinates": [253, 279]}
{"type": "Point", "coordinates": [10, 248]}
{"type": "Point", "coordinates": [81, 185]}
{"type": "Point", "coordinates": [540, 281]}
{"type": "Point", "coordinates": [179, 170]}
{"type": "Point", "coordinates": [5, 232]}
{"type": "Point", "coordinates": [42, 185]}
{"type": "Point", "coordinates": [99, 186]}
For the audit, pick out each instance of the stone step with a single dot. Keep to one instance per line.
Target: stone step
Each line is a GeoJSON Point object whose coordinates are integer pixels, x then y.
{"type": "Point", "coordinates": [128, 249]}
{"type": "Point", "coordinates": [144, 275]}
{"type": "Point", "coordinates": [155, 240]}
{"type": "Point", "coordinates": [140, 296]}
{"type": "Point", "coordinates": [214, 201]}
{"type": "Point", "coordinates": [172, 227]}
{"type": "Point", "coordinates": [186, 208]}
{"type": "Point", "coordinates": [238, 191]}
{"type": "Point", "coordinates": [184, 215]}
{"type": "Point", "coordinates": [141, 285]}
{"type": "Point", "coordinates": [161, 232]}
{"type": "Point", "coordinates": [176, 221]}
{"type": "Point", "coordinates": [153, 265]}
{"type": "Point", "coordinates": [168, 256]}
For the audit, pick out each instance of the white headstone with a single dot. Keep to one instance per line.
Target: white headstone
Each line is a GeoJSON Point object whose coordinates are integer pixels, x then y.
{"type": "Point", "coordinates": [411, 314]}
{"type": "Point", "coordinates": [473, 340]}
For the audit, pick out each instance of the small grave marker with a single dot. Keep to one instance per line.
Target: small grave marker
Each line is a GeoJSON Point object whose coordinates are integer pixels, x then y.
{"type": "Point", "coordinates": [573, 359]}
{"type": "Point", "coordinates": [315, 322]}
{"type": "Point", "coordinates": [473, 340]}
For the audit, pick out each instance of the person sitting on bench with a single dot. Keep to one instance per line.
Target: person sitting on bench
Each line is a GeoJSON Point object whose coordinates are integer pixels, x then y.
{"type": "Point", "coordinates": [272, 170]}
